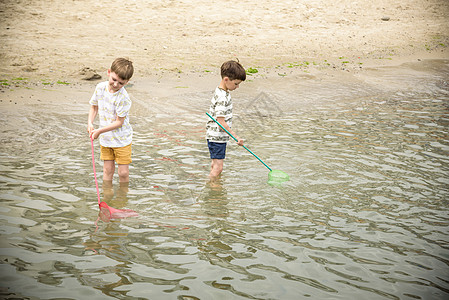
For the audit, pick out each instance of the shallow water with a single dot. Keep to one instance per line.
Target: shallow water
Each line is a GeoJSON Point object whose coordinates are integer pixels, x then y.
{"type": "Point", "coordinates": [365, 211]}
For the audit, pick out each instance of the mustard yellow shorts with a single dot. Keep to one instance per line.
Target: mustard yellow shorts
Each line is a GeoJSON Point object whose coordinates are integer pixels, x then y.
{"type": "Point", "coordinates": [122, 155]}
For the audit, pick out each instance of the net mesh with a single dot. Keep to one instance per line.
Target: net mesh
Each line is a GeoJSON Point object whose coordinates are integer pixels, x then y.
{"type": "Point", "coordinates": [107, 212]}
{"type": "Point", "coordinates": [277, 177]}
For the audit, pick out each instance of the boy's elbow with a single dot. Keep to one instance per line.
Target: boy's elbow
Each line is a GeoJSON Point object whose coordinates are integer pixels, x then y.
{"type": "Point", "coordinates": [120, 121]}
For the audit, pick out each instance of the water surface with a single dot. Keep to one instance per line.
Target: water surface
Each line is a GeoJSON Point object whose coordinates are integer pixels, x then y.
{"type": "Point", "coordinates": [365, 212]}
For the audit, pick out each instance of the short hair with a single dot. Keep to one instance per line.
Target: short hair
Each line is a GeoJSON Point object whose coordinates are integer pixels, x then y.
{"type": "Point", "coordinates": [123, 68]}
{"type": "Point", "coordinates": [233, 70]}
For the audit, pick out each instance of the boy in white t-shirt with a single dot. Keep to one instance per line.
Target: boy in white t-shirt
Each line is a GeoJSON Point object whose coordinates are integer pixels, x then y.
{"type": "Point", "coordinates": [232, 74]}
{"type": "Point", "coordinates": [112, 104]}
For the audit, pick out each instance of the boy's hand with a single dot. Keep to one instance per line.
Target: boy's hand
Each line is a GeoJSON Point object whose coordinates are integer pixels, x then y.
{"type": "Point", "coordinates": [240, 141]}
{"type": "Point", "coordinates": [90, 128]}
{"type": "Point", "coordinates": [94, 134]}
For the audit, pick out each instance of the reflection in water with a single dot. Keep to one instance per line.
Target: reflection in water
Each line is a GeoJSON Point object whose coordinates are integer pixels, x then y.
{"type": "Point", "coordinates": [115, 198]}
{"type": "Point", "coordinates": [364, 213]}
{"type": "Point", "coordinates": [214, 199]}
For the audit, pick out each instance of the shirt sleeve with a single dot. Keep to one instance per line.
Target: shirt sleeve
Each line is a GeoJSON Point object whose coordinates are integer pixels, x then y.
{"type": "Point", "coordinates": [94, 98]}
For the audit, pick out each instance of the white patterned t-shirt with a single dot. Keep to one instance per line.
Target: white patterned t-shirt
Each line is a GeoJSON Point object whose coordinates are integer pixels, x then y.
{"type": "Point", "coordinates": [111, 105]}
{"type": "Point", "coordinates": [221, 106]}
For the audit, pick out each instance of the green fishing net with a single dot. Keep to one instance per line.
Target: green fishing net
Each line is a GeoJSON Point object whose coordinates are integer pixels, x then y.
{"type": "Point", "coordinates": [276, 177]}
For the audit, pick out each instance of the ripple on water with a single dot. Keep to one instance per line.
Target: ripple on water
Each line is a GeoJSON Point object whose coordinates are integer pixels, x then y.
{"type": "Point", "coordinates": [364, 212]}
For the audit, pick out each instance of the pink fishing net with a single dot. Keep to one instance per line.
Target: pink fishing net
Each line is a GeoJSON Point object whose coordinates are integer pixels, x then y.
{"type": "Point", "coordinates": [107, 212]}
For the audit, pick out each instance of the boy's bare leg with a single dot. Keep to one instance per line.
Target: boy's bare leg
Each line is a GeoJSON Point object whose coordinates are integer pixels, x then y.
{"type": "Point", "coordinates": [122, 194]}
{"type": "Point", "coordinates": [216, 168]}
{"type": "Point", "coordinates": [108, 170]}
{"type": "Point", "coordinates": [123, 173]}
{"type": "Point", "coordinates": [108, 190]}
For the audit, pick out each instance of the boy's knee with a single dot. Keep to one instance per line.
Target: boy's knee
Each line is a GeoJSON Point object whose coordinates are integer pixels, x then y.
{"type": "Point", "coordinates": [123, 173]}
{"type": "Point", "coordinates": [217, 167]}
{"type": "Point", "coordinates": [108, 168]}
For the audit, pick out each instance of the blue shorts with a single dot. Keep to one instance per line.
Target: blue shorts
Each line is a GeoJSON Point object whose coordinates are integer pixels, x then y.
{"type": "Point", "coordinates": [216, 150]}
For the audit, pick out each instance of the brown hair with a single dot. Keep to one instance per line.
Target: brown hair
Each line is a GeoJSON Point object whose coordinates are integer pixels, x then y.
{"type": "Point", "coordinates": [123, 68]}
{"type": "Point", "coordinates": [233, 70]}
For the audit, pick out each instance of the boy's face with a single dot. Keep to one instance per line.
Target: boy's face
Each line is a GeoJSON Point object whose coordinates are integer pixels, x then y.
{"type": "Point", "coordinates": [115, 82]}
{"type": "Point", "coordinates": [231, 84]}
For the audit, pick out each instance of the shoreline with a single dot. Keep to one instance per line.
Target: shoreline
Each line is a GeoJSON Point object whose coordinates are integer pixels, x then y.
{"type": "Point", "coordinates": [157, 89]}
{"type": "Point", "coordinates": [180, 78]}
{"type": "Point", "coordinates": [27, 105]}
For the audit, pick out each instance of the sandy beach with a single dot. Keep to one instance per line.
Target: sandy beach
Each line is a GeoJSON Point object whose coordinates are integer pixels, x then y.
{"type": "Point", "coordinates": [53, 53]}
{"type": "Point", "coordinates": [51, 41]}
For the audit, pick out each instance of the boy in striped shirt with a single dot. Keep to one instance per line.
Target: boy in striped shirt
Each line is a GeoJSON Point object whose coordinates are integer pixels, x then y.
{"type": "Point", "coordinates": [232, 74]}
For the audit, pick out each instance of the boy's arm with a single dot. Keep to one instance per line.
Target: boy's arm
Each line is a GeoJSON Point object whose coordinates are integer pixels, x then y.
{"type": "Point", "coordinates": [90, 120]}
{"type": "Point", "coordinates": [223, 123]}
{"type": "Point", "coordinates": [114, 125]}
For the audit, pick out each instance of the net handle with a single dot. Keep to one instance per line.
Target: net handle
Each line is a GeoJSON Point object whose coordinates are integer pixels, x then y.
{"type": "Point", "coordinates": [237, 141]}
{"type": "Point", "coordinates": [93, 165]}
